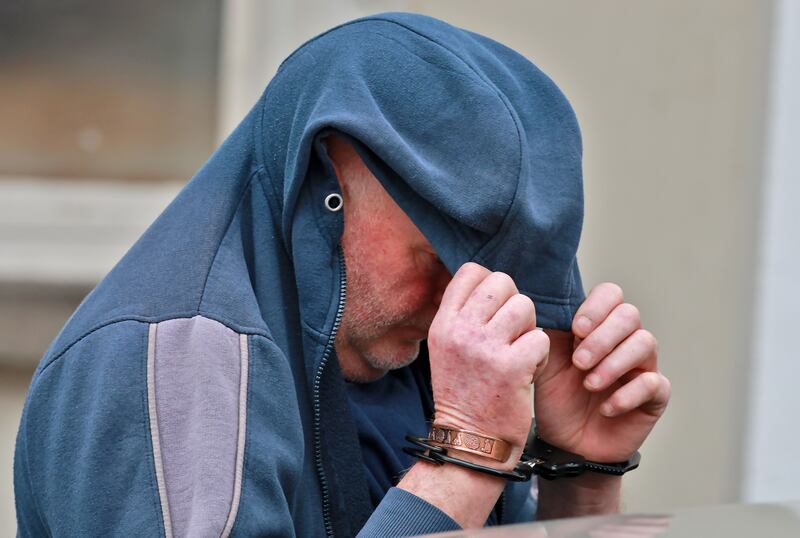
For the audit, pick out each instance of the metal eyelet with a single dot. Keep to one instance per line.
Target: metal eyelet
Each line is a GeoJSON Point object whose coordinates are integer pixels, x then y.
{"type": "Point", "coordinates": [334, 202]}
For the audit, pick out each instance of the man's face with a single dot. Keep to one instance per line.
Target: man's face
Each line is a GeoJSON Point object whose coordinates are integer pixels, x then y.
{"type": "Point", "coordinates": [395, 280]}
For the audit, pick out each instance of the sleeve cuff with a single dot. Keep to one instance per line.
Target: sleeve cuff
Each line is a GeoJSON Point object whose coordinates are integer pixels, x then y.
{"type": "Point", "coordinates": [401, 513]}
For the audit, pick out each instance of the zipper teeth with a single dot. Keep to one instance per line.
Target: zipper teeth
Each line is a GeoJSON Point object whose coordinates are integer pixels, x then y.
{"type": "Point", "coordinates": [317, 380]}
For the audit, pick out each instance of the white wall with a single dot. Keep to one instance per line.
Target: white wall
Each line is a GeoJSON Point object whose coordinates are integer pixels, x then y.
{"type": "Point", "coordinates": [773, 431]}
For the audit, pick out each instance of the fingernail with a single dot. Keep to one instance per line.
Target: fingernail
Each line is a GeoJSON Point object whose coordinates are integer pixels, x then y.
{"type": "Point", "coordinates": [607, 410]}
{"type": "Point", "coordinates": [582, 358]}
{"type": "Point", "coordinates": [583, 324]}
{"type": "Point", "coordinates": [592, 380]}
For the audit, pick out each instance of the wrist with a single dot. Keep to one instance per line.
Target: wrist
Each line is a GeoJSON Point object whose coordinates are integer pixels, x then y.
{"type": "Point", "coordinates": [466, 444]}
{"type": "Point", "coordinates": [514, 441]}
{"type": "Point", "coordinates": [468, 497]}
{"type": "Point", "coordinates": [587, 494]}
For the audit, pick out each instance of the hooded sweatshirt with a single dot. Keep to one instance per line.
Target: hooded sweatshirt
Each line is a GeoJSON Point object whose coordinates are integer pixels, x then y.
{"type": "Point", "coordinates": [196, 390]}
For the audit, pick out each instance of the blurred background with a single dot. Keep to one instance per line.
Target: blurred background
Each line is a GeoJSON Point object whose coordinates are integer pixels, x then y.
{"type": "Point", "coordinates": [690, 111]}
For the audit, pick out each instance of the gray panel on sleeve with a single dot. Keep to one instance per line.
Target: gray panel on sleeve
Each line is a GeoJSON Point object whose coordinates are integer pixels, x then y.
{"type": "Point", "coordinates": [198, 371]}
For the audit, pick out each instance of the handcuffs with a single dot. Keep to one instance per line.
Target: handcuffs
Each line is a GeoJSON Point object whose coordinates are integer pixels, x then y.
{"type": "Point", "coordinates": [538, 458]}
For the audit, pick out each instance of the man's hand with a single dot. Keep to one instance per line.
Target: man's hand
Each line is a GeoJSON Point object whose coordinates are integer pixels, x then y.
{"type": "Point", "coordinates": [484, 350]}
{"type": "Point", "coordinates": [601, 392]}
{"type": "Point", "coordinates": [599, 395]}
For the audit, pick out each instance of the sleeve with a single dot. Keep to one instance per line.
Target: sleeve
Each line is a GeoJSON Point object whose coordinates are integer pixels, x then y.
{"type": "Point", "coordinates": [83, 464]}
{"type": "Point", "coordinates": [28, 521]}
{"type": "Point", "coordinates": [139, 429]}
{"type": "Point", "coordinates": [402, 513]}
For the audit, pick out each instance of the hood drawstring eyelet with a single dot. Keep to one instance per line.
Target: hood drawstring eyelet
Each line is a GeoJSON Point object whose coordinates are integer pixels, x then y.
{"type": "Point", "coordinates": [334, 202]}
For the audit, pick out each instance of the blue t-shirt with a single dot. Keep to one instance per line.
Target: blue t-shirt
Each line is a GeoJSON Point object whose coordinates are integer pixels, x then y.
{"type": "Point", "coordinates": [385, 411]}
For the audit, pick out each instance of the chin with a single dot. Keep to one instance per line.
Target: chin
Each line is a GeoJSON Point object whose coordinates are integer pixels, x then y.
{"type": "Point", "coordinates": [363, 362]}
{"type": "Point", "coordinates": [376, 362]}
{"type": "Point", "coordinates": [365, 374]}
{"type": "Point", "coordinates": [398, 355]}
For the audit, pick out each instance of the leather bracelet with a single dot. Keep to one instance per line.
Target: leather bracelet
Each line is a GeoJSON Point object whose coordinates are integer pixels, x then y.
{"type": "Point", "coordinates": [470, 442]}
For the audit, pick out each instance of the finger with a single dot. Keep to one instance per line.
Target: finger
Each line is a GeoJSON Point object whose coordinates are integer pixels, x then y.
{"type": "Point", "coordinates": [486, 299]}
{"type": "Point", "coordinates": [638, 350]}
{"type": "Point", "coordinates": [648, 391]}
{"type": "Point", "coordinates": [515, 317]}
{"type": "Point", "coordinates": [462, 285]}
{"type": "Point", "coordinates": [598, 304]}
{"type": "Point", "coordinates": [531, 351]}
{"type": "Point", "coordinates": [620, 323]}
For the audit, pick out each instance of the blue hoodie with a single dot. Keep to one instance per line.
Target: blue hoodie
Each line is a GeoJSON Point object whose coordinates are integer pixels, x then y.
{"type": "Point", "coordinates": [196, 391]}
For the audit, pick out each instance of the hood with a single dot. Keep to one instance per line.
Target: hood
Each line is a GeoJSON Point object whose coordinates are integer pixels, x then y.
{"type": "Point", "coordinates": [477, 145]}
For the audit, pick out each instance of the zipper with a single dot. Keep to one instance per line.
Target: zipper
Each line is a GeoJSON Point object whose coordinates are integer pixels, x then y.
{"type": "Point", "coordinates": [501, 507]}
{"type": "Point", "coordinates": [326, 509]}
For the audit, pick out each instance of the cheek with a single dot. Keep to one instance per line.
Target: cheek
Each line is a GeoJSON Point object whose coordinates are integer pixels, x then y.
{"type": "Point", "coordinates": [370, 244]}
{"type": "Point", "coordinates": [417, 293]}
{"type": "Point", "coordinates": [387, 272]}
{"type": "Point", "coordinates": [397, 287]}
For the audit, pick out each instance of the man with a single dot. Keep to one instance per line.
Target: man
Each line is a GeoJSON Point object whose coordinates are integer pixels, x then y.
{"type": "Point", "coordinates": [248, 368]}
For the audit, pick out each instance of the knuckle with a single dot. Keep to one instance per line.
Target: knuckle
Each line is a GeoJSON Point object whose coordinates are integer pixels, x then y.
{"type": "Point", "coordinates": [647, 339]}
{"type": "Point", "coordinates": [540, 338]}
{"type": "Point", "coordinates": [504, 280]}
{"type": "Point", "coordinates": [613, 290]}
{"type": "Point", "coordinates": [629, 313]}
{"type": "Point", "coordinates": [536, 345]}
{"type": "Point", "coordinates": [544, 341]}
{"type": "Point", "coordinates": [599, 345]}
{"type": "Point", "coordinates": [651, 381]}
{"type": "Point", "coordinates": [473, 268]}
{"type": "Point", "coordinates": [525, 299]}
{"type": "Point", "coordinates": [525, 303]}
{"type": "Point", "coordinates": [617, 403]}
{"type": "Point", "coordinates": [520, 310]}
